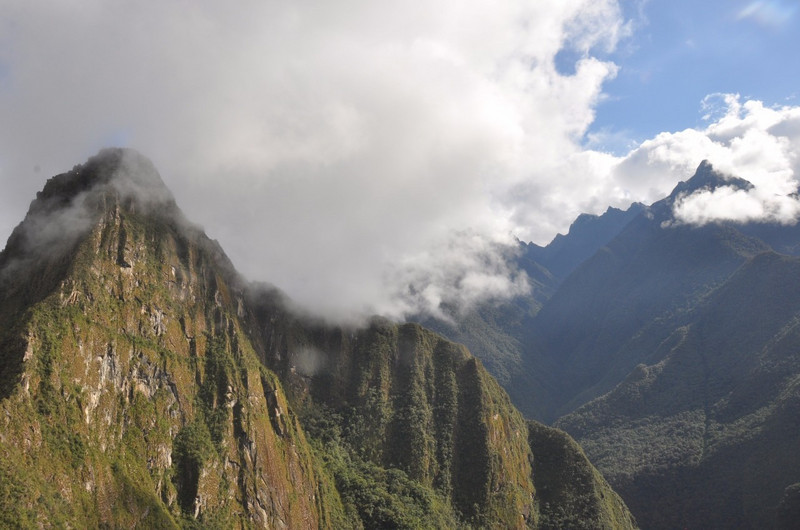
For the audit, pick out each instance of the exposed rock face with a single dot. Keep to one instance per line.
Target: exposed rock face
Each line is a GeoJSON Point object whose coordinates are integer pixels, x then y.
{"type": "Point", "coordinates": [412, 400]}
{"type": "Point", "coordinates": [143, 383]}
{"type": "Point", "coordinates": [141, 400]}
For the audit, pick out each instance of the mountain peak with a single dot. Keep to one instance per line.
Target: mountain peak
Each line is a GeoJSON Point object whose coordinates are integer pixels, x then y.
{"type": "Point", "coordinates": [72, 202]}
{"type": "Point", "coordinates": [125, 170]}
{"type": "Point", "coordinates": [706, 177]}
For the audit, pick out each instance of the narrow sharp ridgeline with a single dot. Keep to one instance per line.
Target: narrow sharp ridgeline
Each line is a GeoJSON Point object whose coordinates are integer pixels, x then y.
{"type": "Point", "coordinates": [144, 383]}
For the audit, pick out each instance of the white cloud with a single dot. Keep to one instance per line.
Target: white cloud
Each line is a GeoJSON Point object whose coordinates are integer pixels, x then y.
{"type": "Point", "coordinates": [334, 148]}
{"type": "Point", "coordinates": [731, 204]}
{"type": "Point", "coordinates": [768, 12]}
{"type": "Point", "coordinates": [362, 156]}
{"type": "Point", "coordinates": [742, 138]}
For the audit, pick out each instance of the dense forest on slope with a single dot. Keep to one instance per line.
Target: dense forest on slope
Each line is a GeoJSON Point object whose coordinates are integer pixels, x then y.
{"type": "Point", "coordinates": [145, 383]}
{"type": "Point", "coordinates": [671, 354]}
{"type": "Point", "coordinates": [718, 414]}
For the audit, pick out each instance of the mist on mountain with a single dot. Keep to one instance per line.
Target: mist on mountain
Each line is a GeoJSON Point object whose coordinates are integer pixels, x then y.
{"type": "Point", "coordinates": [145, 382]}
{"type": "Point", "coordinates": [670, 353]}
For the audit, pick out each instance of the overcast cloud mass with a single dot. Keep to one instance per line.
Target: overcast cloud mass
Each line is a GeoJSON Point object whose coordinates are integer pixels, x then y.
{"type": "Point", "coordinates": [365, 157]}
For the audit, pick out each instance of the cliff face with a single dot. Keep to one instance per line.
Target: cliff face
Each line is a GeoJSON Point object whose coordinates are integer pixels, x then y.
{"type": "Point", "coordinates": [142, 383]}
{"type": "Point", "coordinates": [400, 396]}
{"type": "Point", "coordinates": [406, 398]}
{"type": "Point", "coordinates": [139, 398]}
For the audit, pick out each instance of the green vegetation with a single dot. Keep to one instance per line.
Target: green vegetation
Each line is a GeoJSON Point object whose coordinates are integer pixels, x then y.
{"type": "Point", "coordinates": [572, 494]}
{"type": "Point", "coordinates": [191, 450]}
{"type": "Point", "coordinates": [372, 495]}
{"type": "Point", "coordinates": [708, 427]}
{"type": "Point", "coordinates": [147, 386]}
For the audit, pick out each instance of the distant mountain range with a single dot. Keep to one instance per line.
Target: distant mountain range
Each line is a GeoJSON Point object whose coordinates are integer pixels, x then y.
{"type": "Point", "coordinates": [672, 354]}
{"type": "Point", "coordinates": [144, 383]}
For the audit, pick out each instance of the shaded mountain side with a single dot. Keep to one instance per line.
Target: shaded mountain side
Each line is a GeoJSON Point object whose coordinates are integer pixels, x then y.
{"type": "Point", "coordinates": [586, 235]}
{"type": "Point", "coordinates": [620, 307]}
{"type": "Point", "coordinates": [561, 464]}
{"type": "Point", "coordinates": [498, 332]}
{"type": "Point", "coordinates": [784, 239]}
{"type": "Point", "coordinates": [707, 437]}
{"type": "Point", "coordinates": [144, 383]}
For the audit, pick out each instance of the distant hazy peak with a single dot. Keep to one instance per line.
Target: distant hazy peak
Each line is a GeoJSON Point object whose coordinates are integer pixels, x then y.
{"type": "Point", "coordinates": [611, 213]}
{"type": "Point", "coordinates": [586, 235]}
{"type": "Point", "coordinates": [706, 177]}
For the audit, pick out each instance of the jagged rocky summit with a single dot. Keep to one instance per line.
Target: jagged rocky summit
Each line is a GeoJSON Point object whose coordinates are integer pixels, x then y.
{"type": "Point", "coordinates": [144, 383]}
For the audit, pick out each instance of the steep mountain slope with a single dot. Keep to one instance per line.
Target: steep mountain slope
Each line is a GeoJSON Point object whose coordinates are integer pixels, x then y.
{"type": "Point", "coordinates": [618, 308]}
{"type": "Point", "coordinates": [497, 332]}
{"type": "Point", "coordinates": [131, 393]}
{"type": "Point", "coordinates": [707, 437]}
{"type": "Point", "coordinates": [142, 382]}
{"type": "Point", "coordinates": [403, 397]}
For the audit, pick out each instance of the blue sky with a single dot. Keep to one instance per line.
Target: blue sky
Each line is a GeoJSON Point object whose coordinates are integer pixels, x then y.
{"type": "Point", "coordinates": [681, 51]}
{"type": "Point", "coordinates": [344, 150]}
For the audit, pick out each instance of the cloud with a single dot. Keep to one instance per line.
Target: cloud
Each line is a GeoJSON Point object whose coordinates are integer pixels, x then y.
{"type": "Point", "coordinates": [53, 230]}
{"type": "Point", "coordinates": [363, 157]}
{"type": "Point", "coordinates": [744, 139]}
{"type": "Point", "coordinates": [334, 149]}
{"type": "Point", "coordinates": [774, 13]}
{"type": "Point", "coordinates": [308, 361]}
{"type": "Point", "coordinates": [729, 204]}
{"type": "Point", "coordinates": [460, 272]}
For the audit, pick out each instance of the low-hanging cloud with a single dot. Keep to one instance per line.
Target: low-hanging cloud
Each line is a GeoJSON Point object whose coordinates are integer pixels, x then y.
{"type": "Point", "coordinates": [363, 157]}
{"type": "Point", "coordinates": [48, 233]}
{"type": "Point", "coordinates": [334, 149]}
{"type": "Point", "coordinates": [60, 217]}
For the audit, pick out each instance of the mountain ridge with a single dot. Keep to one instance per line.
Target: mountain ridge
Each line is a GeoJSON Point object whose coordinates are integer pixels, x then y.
{"type": "Point", "coordinates": [670, 354]}
{"type": "Point", "coordinates": [144, 382]}
{"type": "Point", "coordinates": [720, 400]}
